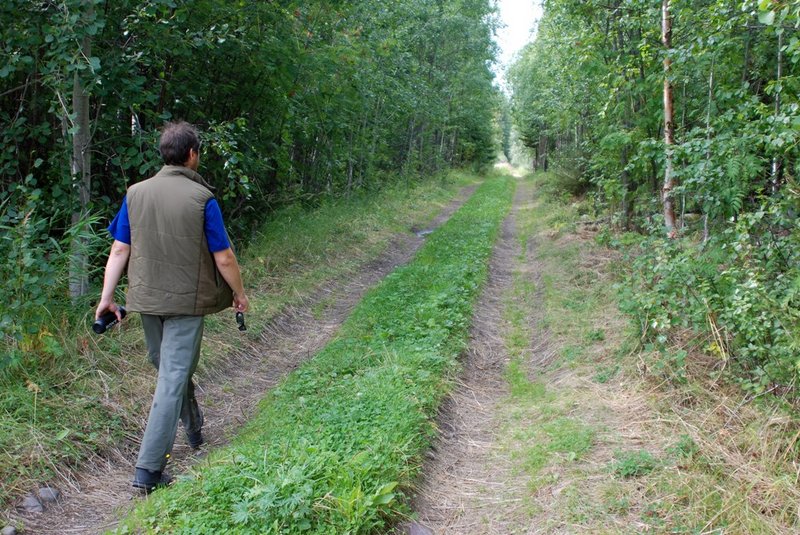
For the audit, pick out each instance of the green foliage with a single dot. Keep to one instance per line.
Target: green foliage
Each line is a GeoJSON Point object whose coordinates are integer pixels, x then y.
{"type": "Point", "coordinates": [294, 100]}
{"type": "Point", "coordinates": [33, 271]}
{"type": "Point", "coordinates": [741, 285]}
{"type": "Point", "coordinates": [588, 92]}
{"type": "Point", "coordinates": [337, 444]}
{"type": "Point", "coordinates": [27, 274]}
{"type": "Point", "coordinates": [634, 463]}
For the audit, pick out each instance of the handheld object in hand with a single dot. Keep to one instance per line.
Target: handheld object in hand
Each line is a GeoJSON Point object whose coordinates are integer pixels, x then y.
{"type": "Point", "coordinates": [107, 320]}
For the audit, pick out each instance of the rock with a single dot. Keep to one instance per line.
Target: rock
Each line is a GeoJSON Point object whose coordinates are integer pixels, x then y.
{"type": "Point", "coordinates": [31, 504]}
{"type": "Point", "coordinates": [9, 530]}
{"type": "Point", "coordinates": [415, 528]}
{"type": "Point", "coordinates": [49, 495]}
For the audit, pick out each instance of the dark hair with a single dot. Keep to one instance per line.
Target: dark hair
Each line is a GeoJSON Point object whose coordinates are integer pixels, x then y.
{"type": "Point", "coordinates": [176, 141]}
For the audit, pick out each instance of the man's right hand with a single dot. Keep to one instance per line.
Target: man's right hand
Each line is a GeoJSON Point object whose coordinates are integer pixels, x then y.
{"type": "Point", "coordinates": [117, 260]}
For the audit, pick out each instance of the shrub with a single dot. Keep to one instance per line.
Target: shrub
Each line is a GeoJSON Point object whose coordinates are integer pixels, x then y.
{"type": "Point", "coordinates": [743, 285]}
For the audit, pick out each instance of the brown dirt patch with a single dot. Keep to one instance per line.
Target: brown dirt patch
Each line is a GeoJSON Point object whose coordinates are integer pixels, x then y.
{"type": "Point", "coordinates": [97, 495]}
{"type": "Point", "coordinates": [468, 486]}
{"type": "Point", "coordinates": [473, 483]}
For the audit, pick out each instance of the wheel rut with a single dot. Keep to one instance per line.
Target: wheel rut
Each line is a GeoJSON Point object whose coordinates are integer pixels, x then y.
{"type": "Point", "coordinates": [95, 500]}
{"type": "Point", "coordinates": [468, 485]}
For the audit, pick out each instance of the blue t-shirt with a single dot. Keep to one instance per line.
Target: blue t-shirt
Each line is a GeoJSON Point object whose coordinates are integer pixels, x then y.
{"type": "Point", "coordinates": [216, 236]}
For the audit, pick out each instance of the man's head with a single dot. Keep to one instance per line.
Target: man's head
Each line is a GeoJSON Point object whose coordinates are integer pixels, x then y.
{"type": "Point", "coordinates": [180, 144]}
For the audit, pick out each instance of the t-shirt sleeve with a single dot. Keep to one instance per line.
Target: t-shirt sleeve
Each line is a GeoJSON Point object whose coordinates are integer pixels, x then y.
{"type": "Point", "coordinates": [216, 236]}
{"type": "Point", "coordinates": [120, 227]}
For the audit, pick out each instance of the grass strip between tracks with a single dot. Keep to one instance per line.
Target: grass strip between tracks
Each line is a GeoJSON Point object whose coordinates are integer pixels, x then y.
{"type": "Point", "coordinates": [334, 447]}
{"type": "Point", "coordinates": [106, 383]}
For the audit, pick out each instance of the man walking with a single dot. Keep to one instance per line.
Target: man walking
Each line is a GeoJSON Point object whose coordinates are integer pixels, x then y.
{"type": "Point", "coordinates": [170, 234]}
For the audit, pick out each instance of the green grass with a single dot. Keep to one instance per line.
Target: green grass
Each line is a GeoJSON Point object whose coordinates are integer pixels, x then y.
{"type": "Point", "coordinates": [634, 463]}
{"type": "Point", "coordinates": [556, 439]}
{"type": "Point", "coordinates": [75, 394]}
{"type": "Point", "coordinates": [540, 433]}
{"type": "Point", "coordinates": [334, 446]}
{"type": "Point", "coordinates": [702, 461]}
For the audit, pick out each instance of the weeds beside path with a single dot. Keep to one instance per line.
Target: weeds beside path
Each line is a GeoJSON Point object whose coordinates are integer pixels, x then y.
{"type": "Point", "coordinates": [232, 384]}
{"type": "Point", "coordinates": [558, 426]}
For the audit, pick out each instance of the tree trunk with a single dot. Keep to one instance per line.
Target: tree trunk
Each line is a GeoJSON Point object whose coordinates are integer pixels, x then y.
{"type": "Point", "coordinates": [669, 126]}
{"type": "Point", "coordinates": [541, 153]}
{"type": "Point", "coordinates": [81, 178]}
{"type": "Point", "coordinates": [708, 142]}
{"type": "Point", "coordinates": [777, 163]}
{"type": "Point", "coordinates": [627, 205]}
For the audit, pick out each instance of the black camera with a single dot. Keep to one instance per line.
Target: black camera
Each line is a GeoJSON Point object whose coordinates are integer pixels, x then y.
{"type": "Point", "coordinates": [107, 320]}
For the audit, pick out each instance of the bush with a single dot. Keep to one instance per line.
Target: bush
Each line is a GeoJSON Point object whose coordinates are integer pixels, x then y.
{"type": "Point", "coordinates": [29, 274]}
{"type": "Point", "coordinates": [743, 285]}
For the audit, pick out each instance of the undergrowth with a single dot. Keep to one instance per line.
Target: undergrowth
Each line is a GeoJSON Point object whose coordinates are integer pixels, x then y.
{"type": "Point", "coordinates": [335, 446]}
{"type": "Point", "coordinates": [681, 447]}
{"type": "Point", "coordinates": [67, 394]}
{"type": "Point", "coordinates": [739, 290]}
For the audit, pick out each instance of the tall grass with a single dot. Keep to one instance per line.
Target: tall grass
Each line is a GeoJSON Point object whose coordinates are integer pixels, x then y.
{"type": "Point", "coordinates": [67, 394]}
{"type": "Point", "coordinates": [335, 446]}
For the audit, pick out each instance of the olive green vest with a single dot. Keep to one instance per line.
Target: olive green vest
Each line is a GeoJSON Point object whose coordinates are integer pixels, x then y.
{"type": "Point", "coordinates": [170, 270]}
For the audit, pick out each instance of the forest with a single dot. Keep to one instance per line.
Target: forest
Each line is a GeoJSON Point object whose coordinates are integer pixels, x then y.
{"type": "Point", "coordinates": [295, 100]}
{"type": "Point", "coordinates": [562, 299]}
{"type": "Point", "coordinates": [680, 120]}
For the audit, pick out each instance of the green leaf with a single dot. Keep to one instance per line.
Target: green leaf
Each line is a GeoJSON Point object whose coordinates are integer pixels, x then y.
{"type": "Point", "coordinates": [384, 499]}
{"type": "Point", "coordinates": [766, 17]}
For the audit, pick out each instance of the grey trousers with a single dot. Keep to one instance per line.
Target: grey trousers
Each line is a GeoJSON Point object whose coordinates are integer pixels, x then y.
{"type": "Point", "coordinates": [173, 346]}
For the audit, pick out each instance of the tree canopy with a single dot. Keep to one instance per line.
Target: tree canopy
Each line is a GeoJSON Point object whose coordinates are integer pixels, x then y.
{"type": "Point", "coordinates": [294, 100]}
{"type": "Point", "coordinates": [589, 98]}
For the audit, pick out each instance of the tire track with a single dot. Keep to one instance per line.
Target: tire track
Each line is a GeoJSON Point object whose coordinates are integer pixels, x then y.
{"type": "Point", "coordinates": [229, 394]}
{"type": "Point", "coordinates": [468, 486]}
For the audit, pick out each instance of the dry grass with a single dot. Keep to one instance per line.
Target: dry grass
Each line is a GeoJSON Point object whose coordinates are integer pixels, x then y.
{"type": "Point", "coordinates": [99, 493]}
{"type": "Point", "coordinates": [746, 452]}
{"type": "Point", "coordinates": [468, 486]}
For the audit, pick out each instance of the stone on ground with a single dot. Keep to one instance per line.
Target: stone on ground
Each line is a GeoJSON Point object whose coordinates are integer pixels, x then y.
{"type": "Point", "coordinates": [31, 504]}
{"type": "Point", "coordinates": [49, 495]}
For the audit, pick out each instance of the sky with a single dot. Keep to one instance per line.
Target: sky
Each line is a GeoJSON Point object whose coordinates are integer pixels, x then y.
{"type": "Point", "coordinates": [517, 18]}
